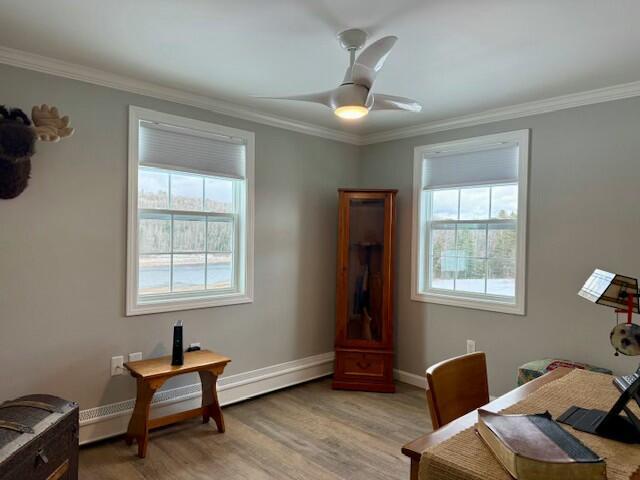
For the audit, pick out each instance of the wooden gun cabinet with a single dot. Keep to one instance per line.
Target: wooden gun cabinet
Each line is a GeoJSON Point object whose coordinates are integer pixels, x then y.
{"type": "Point", "coordinates": [364, 298]}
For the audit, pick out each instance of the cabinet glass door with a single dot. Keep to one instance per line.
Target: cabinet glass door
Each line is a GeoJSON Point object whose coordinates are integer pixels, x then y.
{"type": "Point", "coordinates": [365, 275]}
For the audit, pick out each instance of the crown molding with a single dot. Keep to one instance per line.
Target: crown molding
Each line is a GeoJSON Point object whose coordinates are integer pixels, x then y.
{"type": "Point", "coordinates": [537, 107]}
{"type": "Point", "coordinates": [51, 66]}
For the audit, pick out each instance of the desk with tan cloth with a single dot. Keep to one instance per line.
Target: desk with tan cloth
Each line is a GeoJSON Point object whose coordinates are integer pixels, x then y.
{"type": "Point", "coordinates": [464, 455]}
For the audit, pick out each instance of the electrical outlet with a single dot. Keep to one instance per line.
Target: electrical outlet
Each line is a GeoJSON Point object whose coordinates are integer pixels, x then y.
{"type": "Point", "coordinates": [194, 344]}
{"type": "Point", "coordinates": [134, 357]}
{"type": "Point", "coordinates": [471, 346]}
{"type": "Point", "coordinates": [117, 365]}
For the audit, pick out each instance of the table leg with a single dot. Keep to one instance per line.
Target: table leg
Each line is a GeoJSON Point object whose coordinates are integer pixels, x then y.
{"type": "Point", "coordinates": [210, 404]}
{"type": "Point", "coordinates": [415, 467]}
{"type": "Point", "coordinates": [139, 423]}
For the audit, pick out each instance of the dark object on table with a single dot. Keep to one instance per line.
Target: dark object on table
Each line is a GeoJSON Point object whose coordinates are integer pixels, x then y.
{"type": "Point", "coordinates": [534, 446]}
{"type": "Point", "coordinates": [177, 357]}
{"type": "Point", "coordinates": [39, 438]}
{"type": "Point", "coordinates": [610, 424]}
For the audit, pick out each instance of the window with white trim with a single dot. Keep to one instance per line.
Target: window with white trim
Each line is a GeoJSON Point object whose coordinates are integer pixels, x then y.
{"type": "Point", "coordinates": [190, 214]}
{"type": "Point", "coordinates": [469, 230]}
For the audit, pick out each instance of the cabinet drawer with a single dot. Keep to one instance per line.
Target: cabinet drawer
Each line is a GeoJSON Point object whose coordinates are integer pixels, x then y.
{"type": "Point", "coordinates": [363, 364]}
{"type": "Point", "coordinates": [358, 366]}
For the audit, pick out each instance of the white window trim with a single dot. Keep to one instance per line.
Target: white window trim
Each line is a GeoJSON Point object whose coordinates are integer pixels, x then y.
{"type": "Point", "coordinates": [521, 137]}
{"type": "Point", "coordinates": [133, 307]}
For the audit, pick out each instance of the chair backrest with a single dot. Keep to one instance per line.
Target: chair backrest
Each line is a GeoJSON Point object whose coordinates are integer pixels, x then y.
{"type": "Point", "coordinates": [456, 387]}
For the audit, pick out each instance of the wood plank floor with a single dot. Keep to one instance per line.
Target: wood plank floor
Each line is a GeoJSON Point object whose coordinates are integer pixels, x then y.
{"type": "Point", "coordinates": [304, 432]}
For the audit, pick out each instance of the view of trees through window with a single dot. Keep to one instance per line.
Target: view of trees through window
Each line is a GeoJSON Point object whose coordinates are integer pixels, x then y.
{"type": "Point", "coordinates": [473, 239]}
{"type": "Point", "coordinates": [187, 224]}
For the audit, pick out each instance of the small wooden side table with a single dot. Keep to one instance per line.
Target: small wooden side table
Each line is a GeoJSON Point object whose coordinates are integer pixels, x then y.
{"type": "Point", "coordinates": [151, 374]}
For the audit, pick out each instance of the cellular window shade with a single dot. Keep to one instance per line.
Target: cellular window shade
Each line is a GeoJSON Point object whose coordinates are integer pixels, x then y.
{"type": "Point", "coordinates": [181, 149]}
{"type": "Point", "coordinates": [494, 165]}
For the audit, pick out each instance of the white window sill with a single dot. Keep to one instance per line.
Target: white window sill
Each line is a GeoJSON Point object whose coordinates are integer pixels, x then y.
{"type": "Point", "coordinates": [470, 302]}
{"type": "Point", "coordinates": [174, 305]}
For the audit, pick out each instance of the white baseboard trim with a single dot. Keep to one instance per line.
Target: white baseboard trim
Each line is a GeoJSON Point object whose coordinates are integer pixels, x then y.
{"type": "Point", "coordinates": [110, 420]}
{"type": "Point", "coordinates": [410, 378]}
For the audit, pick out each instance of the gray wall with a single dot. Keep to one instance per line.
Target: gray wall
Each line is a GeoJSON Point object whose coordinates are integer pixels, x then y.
{"type": "Point", "coordinates": [63, 249]}
{"type": "Point", "coordinates": [583, 198]}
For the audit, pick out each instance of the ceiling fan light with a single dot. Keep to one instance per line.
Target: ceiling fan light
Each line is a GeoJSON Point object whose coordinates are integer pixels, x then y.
{"type": "Point", "coordinates": [351, 112]}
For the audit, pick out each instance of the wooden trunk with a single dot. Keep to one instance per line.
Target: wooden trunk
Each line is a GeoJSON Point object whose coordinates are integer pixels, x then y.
{"type": "Point", "coordinates": [364, 300]}
{"type": "Point", "coordinates": [39, 439]}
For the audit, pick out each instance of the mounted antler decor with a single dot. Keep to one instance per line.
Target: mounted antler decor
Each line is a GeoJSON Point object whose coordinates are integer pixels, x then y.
{"type": "Point", "coordinates": [48, 124]}
{"type": "Point", "coordinates": [18, 135]}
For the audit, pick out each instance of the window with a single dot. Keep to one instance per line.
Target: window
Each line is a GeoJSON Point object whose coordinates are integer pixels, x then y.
{"type": "Point", "coordinates": [190, 241]}
{"type": "Point", "coordinates": [470, 200]}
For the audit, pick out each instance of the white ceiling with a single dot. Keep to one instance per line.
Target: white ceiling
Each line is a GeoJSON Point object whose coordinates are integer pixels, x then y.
{"type": "Point", "coordinates": [455, 56]}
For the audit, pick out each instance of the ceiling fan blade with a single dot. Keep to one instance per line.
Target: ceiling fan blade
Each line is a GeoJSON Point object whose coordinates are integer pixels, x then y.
{"type": "Point", "coordinates": [324, 98]}
{"type": "Point", "coordinates": [370, 61]}
{"type": "Point", "coordinates": [391, 102]}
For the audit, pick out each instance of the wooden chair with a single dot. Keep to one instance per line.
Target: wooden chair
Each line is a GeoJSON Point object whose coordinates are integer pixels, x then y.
{"type": "Point", "coordinates": [456, 387]}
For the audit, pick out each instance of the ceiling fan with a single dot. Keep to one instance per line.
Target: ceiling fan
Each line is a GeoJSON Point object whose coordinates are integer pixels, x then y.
{"type": "Point", "coordinates": [353, 98]}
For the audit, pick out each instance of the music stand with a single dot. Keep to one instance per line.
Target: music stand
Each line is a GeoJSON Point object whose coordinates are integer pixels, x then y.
{"type": "Point", "coordinates": [621, 293]}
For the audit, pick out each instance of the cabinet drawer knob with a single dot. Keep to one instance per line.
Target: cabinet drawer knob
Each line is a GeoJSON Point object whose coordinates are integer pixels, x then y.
{"type": "Point", "coordinates": [363, 365]}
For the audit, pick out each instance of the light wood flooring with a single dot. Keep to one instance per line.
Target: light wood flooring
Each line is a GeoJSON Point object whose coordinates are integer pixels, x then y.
{"type": "Point", "coordinates": [304, 432]}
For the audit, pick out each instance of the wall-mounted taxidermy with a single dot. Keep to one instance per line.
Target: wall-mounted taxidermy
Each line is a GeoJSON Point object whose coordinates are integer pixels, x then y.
{"type": "Point", "coordinates": [18, 135]}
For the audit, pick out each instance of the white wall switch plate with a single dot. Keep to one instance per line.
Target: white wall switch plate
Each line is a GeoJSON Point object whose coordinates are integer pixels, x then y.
{"type": "Point", "coordinates": [134, 357]}
{"type": "Point", "coordinates": [117, 365]}
{"type": "Point", "coordinates": [471, 346]}
{"type": "Point", "coordinates": [194, 344]}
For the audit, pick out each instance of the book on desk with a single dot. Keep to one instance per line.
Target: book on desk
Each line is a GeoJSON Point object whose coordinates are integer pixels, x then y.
{"type": "Point", "coordinates": [534, 447]}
